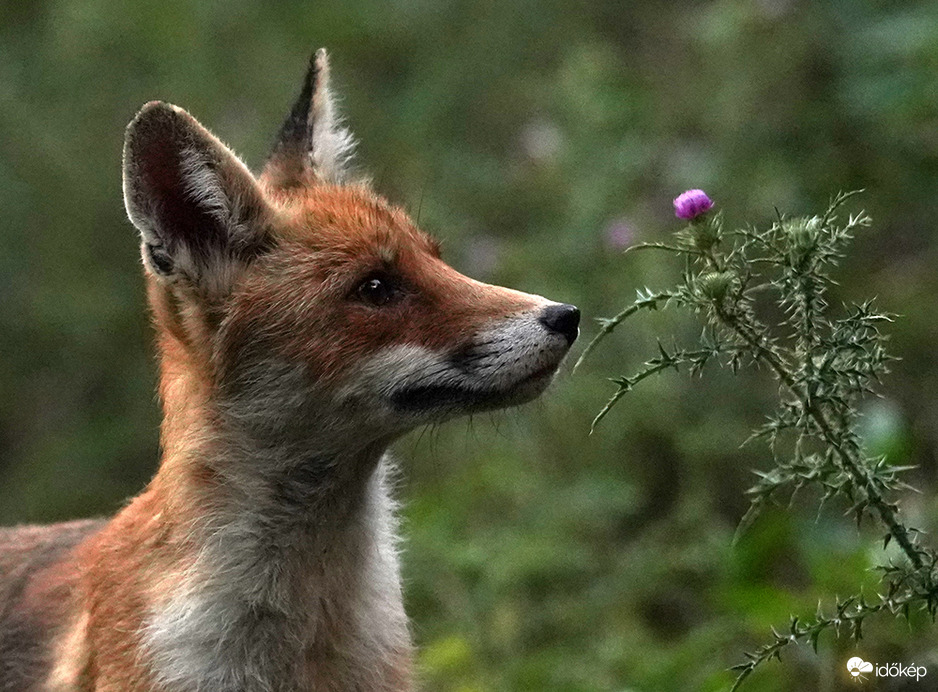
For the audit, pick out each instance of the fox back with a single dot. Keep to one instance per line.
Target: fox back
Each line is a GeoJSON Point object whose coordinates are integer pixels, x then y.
{"type": "Point", "coordinates": [303, 323]}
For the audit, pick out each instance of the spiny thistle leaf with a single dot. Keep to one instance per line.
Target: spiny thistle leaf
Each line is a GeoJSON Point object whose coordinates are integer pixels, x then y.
{"type": "Point", "coordinates": [644, 301]}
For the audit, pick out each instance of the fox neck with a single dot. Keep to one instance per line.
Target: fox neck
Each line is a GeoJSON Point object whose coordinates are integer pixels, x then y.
{"type": "Point", "coordinates": [295, 542]}
{"type": "Point", "coordinates": [259, 440]}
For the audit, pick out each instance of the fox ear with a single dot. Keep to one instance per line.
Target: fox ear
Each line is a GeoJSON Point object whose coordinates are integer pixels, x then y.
{"type": "Point", "coordinates": [312, 146]}
{"type": "Point", "coordinates": [197, 207]}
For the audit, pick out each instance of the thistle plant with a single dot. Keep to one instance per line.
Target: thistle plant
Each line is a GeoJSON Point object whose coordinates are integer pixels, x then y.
{"type": "Point", "coordinates": [825, 362]}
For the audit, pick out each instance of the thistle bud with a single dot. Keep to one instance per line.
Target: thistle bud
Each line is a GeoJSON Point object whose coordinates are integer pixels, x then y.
{"type": "Point", "coordinates": [715, 285]}
{"type": "Point", "coordinates": [802, 236]}
{"type": "Point", "coordinates": [704, 236]}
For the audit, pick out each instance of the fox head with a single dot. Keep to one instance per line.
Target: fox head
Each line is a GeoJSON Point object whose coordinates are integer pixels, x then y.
{"type": "Point", "coordinates": [301, 300]}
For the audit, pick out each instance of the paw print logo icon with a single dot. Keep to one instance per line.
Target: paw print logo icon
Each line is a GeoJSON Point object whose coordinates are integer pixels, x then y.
{"type": "Point", "coordinates": [857, 666]}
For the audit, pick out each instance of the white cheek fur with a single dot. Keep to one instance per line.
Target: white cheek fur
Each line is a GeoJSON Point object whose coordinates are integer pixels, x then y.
{"type": "Point", "coordinates": [502, 356]}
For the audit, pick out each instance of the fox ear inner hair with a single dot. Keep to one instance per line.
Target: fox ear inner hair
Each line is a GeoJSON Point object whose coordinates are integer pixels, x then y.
{"type": "Point", "coordinates": [197, 206]}
{"type": "Point", "coordinates": [159, 259]}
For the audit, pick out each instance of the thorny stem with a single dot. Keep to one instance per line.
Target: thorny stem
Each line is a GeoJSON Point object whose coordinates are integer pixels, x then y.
{"type": "Point", "coordinates": [845, 617]}
{"type": "Point", "coordinates": [663, 362]}
{"type": "Point", "coordinates": [886, 512]}
{"type": "Point", "coordinates": [648, 302]}
{"type": "Point", "coordinates": [809, 338]}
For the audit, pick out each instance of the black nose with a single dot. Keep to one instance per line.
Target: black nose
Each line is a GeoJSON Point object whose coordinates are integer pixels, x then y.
{"type": "Point", "coordinates": [563, 319]}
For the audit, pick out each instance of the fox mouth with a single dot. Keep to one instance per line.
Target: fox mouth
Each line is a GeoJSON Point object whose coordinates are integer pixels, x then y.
{"type": "Point", "coordinates": [509, 363]}
{"type": "Point", "coordinates": [469, 399]}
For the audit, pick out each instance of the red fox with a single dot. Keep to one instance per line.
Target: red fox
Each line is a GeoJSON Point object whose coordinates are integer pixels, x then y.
{"type": "Point", "coordinates": [304, 323]}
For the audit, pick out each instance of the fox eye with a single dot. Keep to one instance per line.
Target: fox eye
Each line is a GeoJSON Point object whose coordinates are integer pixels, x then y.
{"type": "Point", "coordinates": [377, 291]}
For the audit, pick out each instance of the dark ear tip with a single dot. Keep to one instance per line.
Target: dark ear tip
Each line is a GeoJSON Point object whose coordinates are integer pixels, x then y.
{"type": "Point", "coordinates": [153, 115]}
{"type": "Point", "coordinates": [153, 109]}
{"type": "Point", "coordinates": [154, 105]}
{"type": "Point", "coordinates": [318, 63]}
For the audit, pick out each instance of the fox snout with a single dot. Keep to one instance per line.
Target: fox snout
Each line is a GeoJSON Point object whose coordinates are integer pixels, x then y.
{"type": "Point", "coordinates": [510, 362]}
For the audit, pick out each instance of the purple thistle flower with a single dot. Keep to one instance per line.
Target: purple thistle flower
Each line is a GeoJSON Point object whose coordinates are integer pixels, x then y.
{"type": "Point", "coordinates": [691, 204]}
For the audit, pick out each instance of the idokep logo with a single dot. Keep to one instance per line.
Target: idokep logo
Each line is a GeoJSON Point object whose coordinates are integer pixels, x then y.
{"type": "Point", "coordinates": [859, 669]}
{"type": "Point", "coordinates": [857, 666]}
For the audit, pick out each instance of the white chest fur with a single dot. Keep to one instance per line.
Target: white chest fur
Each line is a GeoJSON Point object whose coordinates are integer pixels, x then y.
{"type": "Point", "coordinates": [262, 610]}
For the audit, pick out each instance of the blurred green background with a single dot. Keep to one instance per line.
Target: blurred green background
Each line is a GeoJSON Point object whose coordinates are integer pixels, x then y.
{"type": "Point", "coordinates": [536, 139]}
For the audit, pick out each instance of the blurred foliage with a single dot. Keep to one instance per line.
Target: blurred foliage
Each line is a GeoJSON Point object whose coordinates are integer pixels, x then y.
{"type": "Point", "coordinates": [536, 139]}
